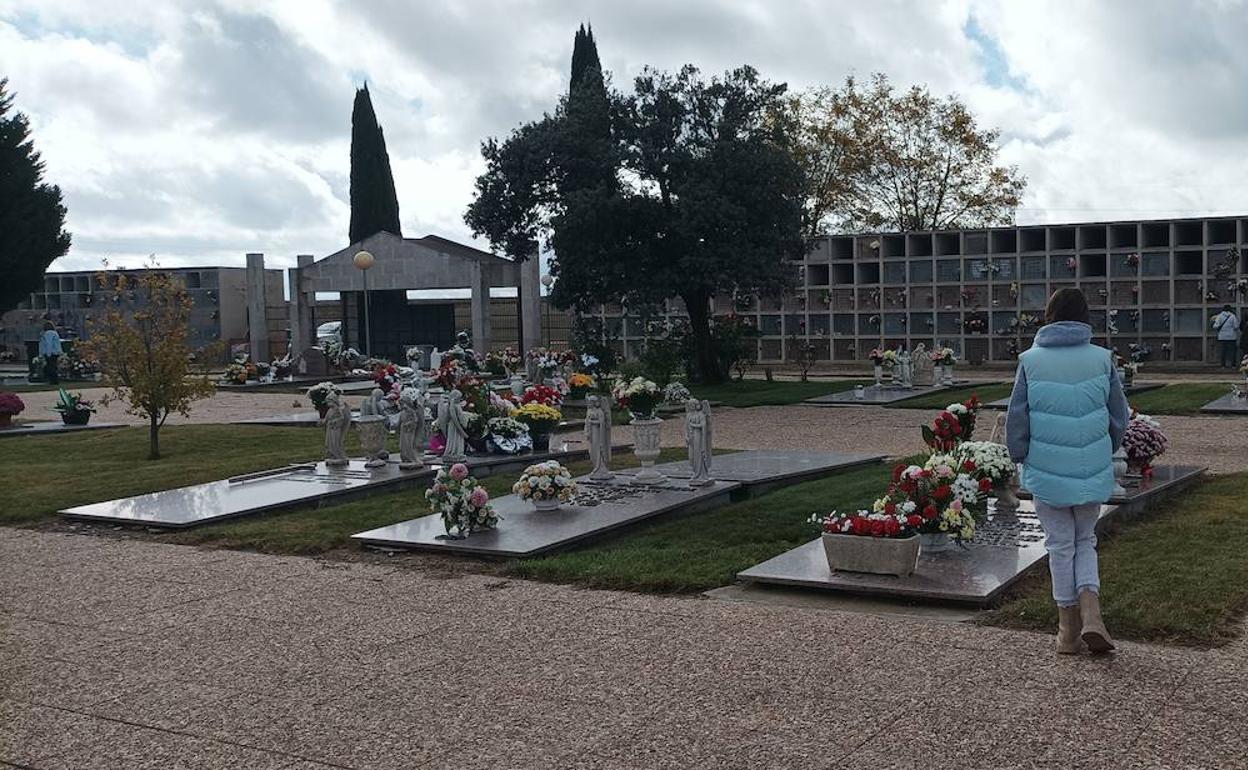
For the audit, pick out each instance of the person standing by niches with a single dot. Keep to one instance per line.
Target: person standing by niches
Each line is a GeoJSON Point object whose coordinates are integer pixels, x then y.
{"type": "Point", "coordinates": [50, 349]}
{"type": "Point", "coordinates": [1067, 417]}
{"type": "Point", "coordinates": [1226, 324]}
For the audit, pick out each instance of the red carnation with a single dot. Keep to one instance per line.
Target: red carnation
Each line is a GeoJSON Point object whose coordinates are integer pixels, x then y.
{"type": "Point", "coordinates": [985, 485]}
{"type": "Point", "coordinates": [891, 527]}
{"type": "Point", "coordinates": [890, 508]}
{"type": "Point", "coordinates": [930, 511]}
{"type": "Point", "coordinates": [968, 466]}
{"type": "Point", "coordinates": [897, 471]}
{"type": "Point", "coordinates": [942, 493]}
{"type": "Point", "coordinates": [916, 520]}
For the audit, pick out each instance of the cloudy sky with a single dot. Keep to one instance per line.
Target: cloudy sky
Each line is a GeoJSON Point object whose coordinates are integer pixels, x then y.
{"type": "Point", "coordinates": [199, 130]}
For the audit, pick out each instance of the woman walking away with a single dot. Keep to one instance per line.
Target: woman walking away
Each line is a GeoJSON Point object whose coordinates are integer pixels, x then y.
{"type": "Point", "coordinates": [1066, 419]}
{"type": "Point", "coordinates": [50, 349]}
{"type": "Point", "coordinates": [1226, 324]}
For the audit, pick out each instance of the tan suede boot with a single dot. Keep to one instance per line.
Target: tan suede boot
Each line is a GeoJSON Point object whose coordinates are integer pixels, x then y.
{"type": "Point", "coordinates": [1094, 633]}
{"type": "Point", "coordinates": [1068, 627]}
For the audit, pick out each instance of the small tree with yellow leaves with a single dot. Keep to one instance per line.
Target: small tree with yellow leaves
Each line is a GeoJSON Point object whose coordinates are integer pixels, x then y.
{"type": "Point", "coordinates": [144, 354]}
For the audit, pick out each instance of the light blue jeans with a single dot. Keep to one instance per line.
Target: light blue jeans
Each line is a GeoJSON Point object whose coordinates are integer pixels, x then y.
{"type": "Point", "coordinates": [1070, 539]}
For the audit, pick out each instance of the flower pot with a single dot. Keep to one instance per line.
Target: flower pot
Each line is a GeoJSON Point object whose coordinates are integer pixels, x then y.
{"type": "Point", "coordinates": [646, 434]}
{"type": "Point", "coordinates": [877, 555]}
{"type": "Point", "coordinates": [6, 420]}
{"type": "Point", "coordinates": [547, 505]}
{"type": "Point", "coordinates": [541, 442]}
{"type": "Point", "coordinates": [938, 374]}
{"type": "Point", "coordinates": [934, 542]}
{"type": "Point", "coordinates": [76, 417]}
{"type": "Point", "coordinates": [879, 375]}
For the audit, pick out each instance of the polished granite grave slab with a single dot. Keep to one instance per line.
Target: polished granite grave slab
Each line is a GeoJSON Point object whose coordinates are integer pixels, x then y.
{"type": "Point", "coordinates": [1228, 404]}
{"type": "Point", "coordinates": [1140, 492]}
{"type": "Point", "coordinates": [312, 420]}
{"type": "Point", "coordinates": [292, 486]}
{"type": "Point", "coordinates": [877, 396]}
{"type": "Point", "coordinates": [759, 470]}
{"type": "Point", "coordinates": [1131, 390]}
{"type": "Point", "coordinates": [1005, 549]}
{"type": "Point", "coordinates": [53, 428]}
{"type": "Point", "coordinates": [523, 531]}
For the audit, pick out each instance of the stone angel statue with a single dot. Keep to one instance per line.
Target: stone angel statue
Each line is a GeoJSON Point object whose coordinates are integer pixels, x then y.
{"type": "Point", "coordinates": [453, 422]}
{"type": "Point", "coordinates": [412, 429]}
{"type": "Point", "coordinates": [337, 423]}
{"type": "Point", "coordinates": [698, 439]}
{"type": "Point", "coordinates": [598, 436]}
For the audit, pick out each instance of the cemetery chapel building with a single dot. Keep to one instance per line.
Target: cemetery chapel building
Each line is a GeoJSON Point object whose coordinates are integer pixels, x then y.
{"type": "Point", "coordinates": [982, 292]}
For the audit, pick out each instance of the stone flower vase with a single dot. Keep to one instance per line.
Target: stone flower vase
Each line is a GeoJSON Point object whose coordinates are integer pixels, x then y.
{"type": "Point", "coordinates": [6, 420]}
{"type": "Point", "coordinates": [547, 505]}
{"type": "Point", "coordinates": [1007, 500]}
{"type": "Point", "coordinates": [948, 375]}
{"type": "Point", "coordinates": [934, 542]}
{"type": "Point", "coordinates": [372, 430]}
{"type": "Point", "coordinates": [646, 434]}
{"type": "Point", "coordinates": [877, 555]}
{"type": "Point", "coordinates": [938, 374]}
{"type": "Point", "coordinates": [879, 375]}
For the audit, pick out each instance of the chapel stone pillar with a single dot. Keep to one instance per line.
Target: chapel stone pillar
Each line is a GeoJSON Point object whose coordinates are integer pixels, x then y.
{"type": "Point", "coordinates": [257, 322]}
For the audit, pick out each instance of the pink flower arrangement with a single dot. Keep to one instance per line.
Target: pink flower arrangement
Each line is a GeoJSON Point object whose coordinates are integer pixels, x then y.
{"type": "Point", "coordinates": [1144, 441]}
{"type": "Point", "coordinates": [461, 501]}
{"type": "Point", "coordinates": [11, 404]}
{"type": "Point", "coordinates": [459, 471]}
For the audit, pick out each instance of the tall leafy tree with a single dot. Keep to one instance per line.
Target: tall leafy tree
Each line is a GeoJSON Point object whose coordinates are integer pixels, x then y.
{"type": "Point", "coordinates": [710, 201]}
{"type": "Point", "coordinates": [879, 158]}
{"type": "Point", "coordinates": [374, 204]}
{"type": "Point", "coordinates": [32, 217]}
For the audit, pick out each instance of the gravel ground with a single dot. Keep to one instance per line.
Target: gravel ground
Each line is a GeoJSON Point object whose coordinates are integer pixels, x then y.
{"type": "Point", "coordinates": [123, 654]}
{"type": "Point", "coordinates": [1219, 442]}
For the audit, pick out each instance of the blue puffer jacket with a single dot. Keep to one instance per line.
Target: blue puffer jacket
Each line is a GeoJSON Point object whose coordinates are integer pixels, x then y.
{"type": "Point", "coordinates": [1067, 416]}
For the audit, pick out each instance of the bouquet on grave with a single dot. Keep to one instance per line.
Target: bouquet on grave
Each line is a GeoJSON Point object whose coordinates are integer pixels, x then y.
{"type": "Point", "coordinates": [869, 523]}
{"type": "Point", "coordinates": [545, 481]}
{"type": "Point", "coordinates": [641, 397]}
{"type": "Point", "coordinates": [952, 426]}
{"type": "Point", "coordinates": [943, 357]}
{"type": "Point", "coordinates": [461, 501]}
{"type": "Point", "coordinates": [580, 384]}
{"type": "Point", "coordinates": [985, 460]}
{"type": "Point", "coordinates": [1144, 442]}
{"type": "Point", "coordinates": [542, 394]}
{"type": "Point", "coordinates": [943, 493]}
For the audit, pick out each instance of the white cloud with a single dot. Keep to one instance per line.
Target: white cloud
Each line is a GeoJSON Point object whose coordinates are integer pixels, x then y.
{"type": "Point", "coordinates": [201, 131]}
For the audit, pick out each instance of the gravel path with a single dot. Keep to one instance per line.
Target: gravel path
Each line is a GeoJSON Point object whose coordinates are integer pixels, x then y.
{"type": "Point", "coordinates": [1220, 442]}
{"type": "Point", "coordinates": [124, 654]}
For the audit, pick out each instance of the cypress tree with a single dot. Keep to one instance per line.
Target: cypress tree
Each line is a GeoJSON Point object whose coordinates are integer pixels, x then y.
{"type": "Point", "coordinates": [374, 204]}
{"type": "Point", "coordinates": [589, 160]}
{"type": "Point", "coordinates": [32, 217]}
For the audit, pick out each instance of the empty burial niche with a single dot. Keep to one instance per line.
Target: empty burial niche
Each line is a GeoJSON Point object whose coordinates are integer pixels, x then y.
{"type": "Point", "coordinates": [947, 244]}
{"type": "Point", "coordinates": [894, 245]}
{"type": "Point", "coordinates": [842, 274]}
{"type": "Point", "coordinates": [1092, 237]}
{"type": "Point", "coordinates": [919, 244]}
{"type": "Point", "coordinates": [1004, 241]}
{"type": "Point", "coordinates": [1032, 240]}
{"type": "Point", "coordinates": [1061, 238]}
{"type": "Point", "coordinates": [1188, 234]}
{"type": "Point", "coordinates": [1220, 231]}
{"type": "Point", "coordinates": [1092, 265]}
{"type": "Point", "coordinates": [976, 243]}
{"type": "Point", "coordinates": [1189, 262]}
{"type": "Point", "coordinates": [1156, 235]}
{"type": "Point", "coordinates": [842, 248]}
{"type": "Point", "coordinates": [817, 275]}
{"type": "Point", "coordinates": [1122, 236]}
{"type": "Point", "coordinates": [868, 272]}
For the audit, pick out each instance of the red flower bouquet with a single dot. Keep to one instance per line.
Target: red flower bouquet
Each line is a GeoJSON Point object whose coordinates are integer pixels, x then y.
{"type": "Point", "coordinates": [542, 394]}
{"type": "Point", "coordinates": [955, 424]}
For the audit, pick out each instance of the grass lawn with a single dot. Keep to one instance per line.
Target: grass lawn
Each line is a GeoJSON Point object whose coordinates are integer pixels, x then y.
{"type": "Point", "coordinates": [986, 393]}
{"type": "Point", "coordinates": [706, 550]}
{"type": "Point", "coordinates": [47, 473]}
{"type": "Point", "coordinates": [745, 393]}
{"type": "Point", "coordinates": [1182, 398]}
{"type": "Point", "coordinates": [1178, 576]}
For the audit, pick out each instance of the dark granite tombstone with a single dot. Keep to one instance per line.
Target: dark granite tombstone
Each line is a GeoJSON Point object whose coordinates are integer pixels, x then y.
{"type": "Point", "coordinates": [312, 363]}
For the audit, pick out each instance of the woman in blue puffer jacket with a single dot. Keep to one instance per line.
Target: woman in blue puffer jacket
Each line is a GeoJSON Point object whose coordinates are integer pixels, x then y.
{"type": "Point", "coordinates": [1067, 417]}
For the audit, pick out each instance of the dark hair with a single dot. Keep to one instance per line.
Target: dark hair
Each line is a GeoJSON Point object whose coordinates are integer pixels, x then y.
{"type": "Point", "coordinates": [1067, 304]}
{"type": "Point", "coordinates": [48, 325]}
{"type": "Point", "coordinates": [1227, 308]}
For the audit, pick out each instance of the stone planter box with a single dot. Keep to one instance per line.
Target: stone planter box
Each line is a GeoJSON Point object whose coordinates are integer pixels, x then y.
{"type": "Point", "coordinates": [877, 555]}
